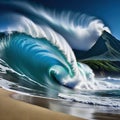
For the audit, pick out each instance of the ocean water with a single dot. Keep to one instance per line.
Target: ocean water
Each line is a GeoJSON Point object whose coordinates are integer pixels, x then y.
{"type": "Point", "coordinates": [34, 70]}
{"type": "Point", "coordinates": [37, 57]}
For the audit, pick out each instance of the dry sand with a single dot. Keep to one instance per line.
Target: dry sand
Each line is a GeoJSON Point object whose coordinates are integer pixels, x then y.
{"type": "Point", "coordinates": [11, 109]}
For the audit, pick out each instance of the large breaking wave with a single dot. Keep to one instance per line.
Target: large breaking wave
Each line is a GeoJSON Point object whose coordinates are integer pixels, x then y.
{"type": "Point", "coordinates": [37, 43]}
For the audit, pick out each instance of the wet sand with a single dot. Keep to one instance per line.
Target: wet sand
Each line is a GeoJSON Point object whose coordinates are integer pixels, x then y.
{"type": "Point", "coordinates": [11, 109]}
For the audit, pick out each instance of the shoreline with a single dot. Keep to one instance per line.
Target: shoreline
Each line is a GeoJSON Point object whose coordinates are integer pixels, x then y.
{"type": "Point", "coordinates": [17, 106]}
{"type": "Point", "coordinates": [12, 109]}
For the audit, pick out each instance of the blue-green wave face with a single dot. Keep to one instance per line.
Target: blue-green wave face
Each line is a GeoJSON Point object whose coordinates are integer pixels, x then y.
{"type": "Point", "coordinates": [40, 60]}
{"type": "Point", "coordinates": [37, 58]}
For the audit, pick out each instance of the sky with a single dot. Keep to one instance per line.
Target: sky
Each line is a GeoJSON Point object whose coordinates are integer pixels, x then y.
{"type": "Point", "coordinates": [106, 10]}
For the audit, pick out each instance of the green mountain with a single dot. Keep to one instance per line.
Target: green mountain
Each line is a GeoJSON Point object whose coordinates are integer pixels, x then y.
{"type": "Point", "coordinates": [107, 47]}
{"type": "Point", "coordinates": [103, 57]}
{"type": "Point", "coordinates": [104, 68]}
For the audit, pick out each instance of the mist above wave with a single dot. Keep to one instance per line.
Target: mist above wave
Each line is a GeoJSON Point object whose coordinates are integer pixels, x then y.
{"type": "Point", "coordinates": [77, 28]}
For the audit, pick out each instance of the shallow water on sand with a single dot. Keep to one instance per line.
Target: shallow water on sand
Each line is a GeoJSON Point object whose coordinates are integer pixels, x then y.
{"type": "Point", "coordinates": [90, 112]}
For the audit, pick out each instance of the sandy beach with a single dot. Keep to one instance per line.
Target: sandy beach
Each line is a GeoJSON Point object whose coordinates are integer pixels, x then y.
{"type": "Point", "coordinates": [11, 109]}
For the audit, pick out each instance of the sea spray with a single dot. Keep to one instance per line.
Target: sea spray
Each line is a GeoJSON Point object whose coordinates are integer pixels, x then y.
{"type": "Point", "coordinates": [77, 28]}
